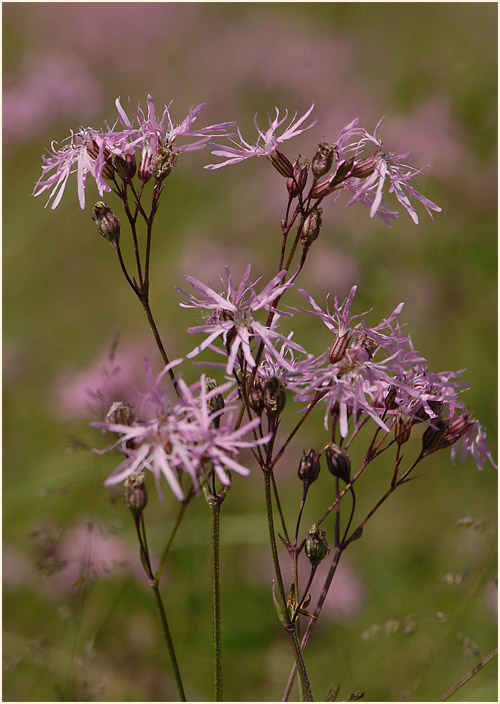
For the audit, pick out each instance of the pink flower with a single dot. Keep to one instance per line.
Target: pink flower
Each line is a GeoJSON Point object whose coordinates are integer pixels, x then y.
{"type": "Point", "coordinates": [233, 317]}
{"type": "Point", "coordinates": [387, 166]}
{"type": "Point", "coordinates": [89, 151]}
{"type": "Point", "coordinates": [266, 142]}
{"type": "Point", "coordinates": [193, 436]}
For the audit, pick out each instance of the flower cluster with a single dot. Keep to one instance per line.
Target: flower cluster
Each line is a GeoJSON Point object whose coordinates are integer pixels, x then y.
{"type": "Point", "coordinates": [101, 152]}
{"type": "Point", "coordinates": [232, 317]}
{"type": "Point", "coordinates": [194, 436]}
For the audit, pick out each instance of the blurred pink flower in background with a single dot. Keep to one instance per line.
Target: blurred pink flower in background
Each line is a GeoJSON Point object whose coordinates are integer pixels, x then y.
{"type": "Point", "coordinates": [80, 393]}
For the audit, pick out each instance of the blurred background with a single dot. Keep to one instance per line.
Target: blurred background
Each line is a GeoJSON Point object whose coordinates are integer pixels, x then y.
{"type": "Point", "coordinates": [414, 605]}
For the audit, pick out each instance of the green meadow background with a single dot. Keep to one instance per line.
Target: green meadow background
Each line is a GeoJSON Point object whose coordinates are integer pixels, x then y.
{"type": "Point", "coordinates": [414, 606]}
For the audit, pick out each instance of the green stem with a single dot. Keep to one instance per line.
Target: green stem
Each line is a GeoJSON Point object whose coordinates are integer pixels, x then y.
{"type": "Point", "coordinates": [289, 627]}
{"type": "Point", "coordinates": [215, 504]}
{"type": "Point", "coordinates": [168, 640]}
{"type": "Point", "coordinates": [468, 676]}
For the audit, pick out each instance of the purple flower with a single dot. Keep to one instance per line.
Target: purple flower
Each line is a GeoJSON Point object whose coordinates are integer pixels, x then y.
{"type": "Point", "coordinates": [266, 142]}
{"type": "Point", "coordinates": [386, 165]}
{"type": "Point", "coordinates": [232, 317]}
{"type": "Point", "coordinates": [89, 151]}
{"type": "Point", "coordinates": [193, 436]}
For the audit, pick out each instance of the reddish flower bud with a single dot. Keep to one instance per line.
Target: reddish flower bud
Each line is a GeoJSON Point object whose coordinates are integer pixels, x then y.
{"type": "Point", "coordinates": [431, 439]}
{"type": "Point", "coordinates": [339, 346]}
{"type": "Point", "coordinates": [297, 182]}
{"type": "Point", "coordinates": [338, 462]}
{"type": "Point", "coordinates": [309, 468]}
{"type": "Point", "coordinates": [147, 165]}
{"type": "Point", "coordinates": [402, 429]}
{"type": "Point", "coordinates": [125, 165]}
{"type": "Point", "coordinates": [281, 163]}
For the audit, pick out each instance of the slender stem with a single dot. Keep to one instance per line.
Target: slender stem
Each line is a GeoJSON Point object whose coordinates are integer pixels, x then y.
{"type": "Point", "coordinates": [168, 640]}
{"type": "Point", "coordinates": [156, 334]}
{"type": "Point", "coordinates": [468, 676]}
{"type": "Point", "coordinates": [290, 629]}
{"type": "Point", "coordinates": [163, 558]}
{"type": "Point", "coordinates": [215, 504]}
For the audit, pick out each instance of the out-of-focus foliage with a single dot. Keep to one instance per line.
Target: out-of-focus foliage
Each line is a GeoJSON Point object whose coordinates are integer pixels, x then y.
{"type": "Point", "coordinates": [414, 605]}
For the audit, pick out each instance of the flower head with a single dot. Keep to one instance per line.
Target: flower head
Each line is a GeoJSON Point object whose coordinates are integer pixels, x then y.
{"type": "Point", "coordinates": [233, 317]}
{"type": "Point", "coordinates": [91, 151]}
{"type": "Point", "coordinates": [192, 436]}
{"type": "Point", "coordinates": [266, 143]}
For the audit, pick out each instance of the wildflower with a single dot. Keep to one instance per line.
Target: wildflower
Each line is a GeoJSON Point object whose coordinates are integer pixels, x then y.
{"type": "Point", "coordinates": [193, 436]}
{"type": "Point", "coordinates": [266, 143]}
{"type": "Point", "coordinates": [233, 317]}
{"type": "Point", "coordinates": [386, 165]}
{"type": "Point", "coordinates": [93, 152]}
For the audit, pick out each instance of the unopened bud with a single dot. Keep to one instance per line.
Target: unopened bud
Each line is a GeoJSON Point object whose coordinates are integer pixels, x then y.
{"type": "Point", "coordinates": [433, 435]}
{"type": "Point", "coordinates": [281, 163]}
{"type": "Point", "coordinates": [455, 428]}
{"type": "Point", "coordinates": [322, 160]}
{"type": "Point", "coordinates": [216, 403]}
{"type": "Point", "coordinates": [120, 413]}
{"type": "Point", "coordinates": [338, 462]}
{"type": "Point", "coordinates": [311, 227]}
{"type": "Point", "coordinates": [333, 182]}
{"type": "Point", "coordinates": [309, 468]}
{"type": "Point", "coordinates": [274, 396]}
{"type": "Point", "coordinates": [136, 496]}
{"type": "Point", "coordinates": [339, 346]}
{"type": "Point", "coordinates": [316, 546]}
{"type": "Point", "coordinates": [107, 223]}
{"type": "Point", "coordinates": [297, 181]}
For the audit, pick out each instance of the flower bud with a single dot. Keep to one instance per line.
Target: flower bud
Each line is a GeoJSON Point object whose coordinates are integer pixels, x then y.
{"type": "Point", "coordinates": [297, 181]}
{"type": "Point", "coordinates": [338, 462]}
{"type": "Point", "coordinates": [364, 168]}
{"type": "Point", "coordinates": [147, 165]}
{"type": "Point", "coordinates": [433, 435]}
{"type": "Point", "coordinates": [216, 403]}
{"type": "Point", "coordinates": [339, 345]}
{"type": "Point", "coordinates": [333, 182]}
{"type": "Point", "coordinates": [107, 223]}
{"type": "Point", "coordinates": [255, 394]}
{"type": "Point", "coordinates": [316, 546]}
{"type": "Point", "coordinates": [390, 399]}
{"type": "Point", "coordinates": [455, 428]}
{"type": "Point", "coordinates": [120, 413]}
{"type": "Point", "coordinates": [281, 163]}
{"type": "Point", "coordinates": [136, 496]}
{"type": "Point", "coordinates": [274, 396]}
{"type": "Point", "coordinates": [402, 429]}
{"type": "Point", "coordinates": [311, 227]}
{"type": "Point", "coordinates": [309, 468]}
{"type": "Point", "coordinates": [125, 165]}
{"type": "Point", "coordinates": [322, 160]}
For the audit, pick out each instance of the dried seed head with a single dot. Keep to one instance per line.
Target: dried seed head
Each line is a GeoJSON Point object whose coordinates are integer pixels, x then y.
{"type": "Point", "coordinates": [255, 394]}
{"type": "Point", "coordinates": [136, 496]}
{"type": "Point", "coordinates": [297, 181]}
{"type": "Point", "coordinates": [338, 462]}
{"type": "Point", "coordinates": [316, 546]}
{"type": "Point", "coordinates": [274, 396]}
{"type": "Point", "coordinates": [121, 413]}
{"type": "Point", "coordinates": [323, 159]}
{"type": "Point", "coordinates": [309, 468]}
{"type": "Point", "coordinates": [311, 227]}
{"type": "Point", "coordinates": [107, 223]}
